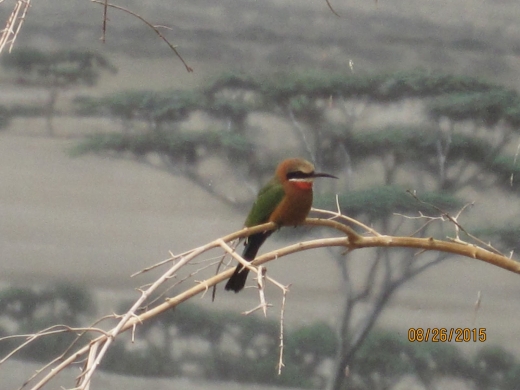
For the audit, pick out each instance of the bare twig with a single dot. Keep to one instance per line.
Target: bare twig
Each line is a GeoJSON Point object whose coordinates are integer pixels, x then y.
{"type": "Point", "coordinates": [214, 292]}
{"type": "Point", "coordinates": [332, 9]}
{"type": "Point", "coordinates": [261, 290]}
{"type": "Point", "coordinates": [511, 179]}
{"type": "Point", "coordinates": [428, 219]}
{"type": "Point", "coordinates": [171, 259]}
{"type": "Point", "coordinates": [477, 308]}
{"type": "Point", "coordinates": [105, 20]}
{"type": "Point", "coordinates": [339, 216]}
{"type": "Point", "coordinates": [55, 329]}
{"type": "Point", "coordinates": [301, 134]}
{"type": "Point", "coordinates": [154, 28]}
{"type": "Point", "coordinates": [458, 226]}
{"type": "Point", "coordinates": [282, 316]}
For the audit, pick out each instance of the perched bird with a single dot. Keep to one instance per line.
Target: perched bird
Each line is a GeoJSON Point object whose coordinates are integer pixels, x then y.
{"type": "Point", "coordinates": [285, 200]}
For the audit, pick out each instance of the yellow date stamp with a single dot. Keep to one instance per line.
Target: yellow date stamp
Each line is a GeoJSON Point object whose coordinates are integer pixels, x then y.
{"type": "Point", "coordinates": [443, 335]}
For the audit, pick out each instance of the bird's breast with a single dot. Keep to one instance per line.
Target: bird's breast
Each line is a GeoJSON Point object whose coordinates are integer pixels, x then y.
{"type": "Point", "coordinates": [293, 209]}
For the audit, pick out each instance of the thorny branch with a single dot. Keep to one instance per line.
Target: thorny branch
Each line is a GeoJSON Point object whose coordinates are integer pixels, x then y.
{"type": "Point", "coordinates": [14, 24]}
{"type": "Point", "coordinates": [458, 227]}
{"type": "Point", "coordinates": [94, 350]}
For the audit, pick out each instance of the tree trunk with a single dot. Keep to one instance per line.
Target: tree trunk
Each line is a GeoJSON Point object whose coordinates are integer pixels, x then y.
{"type": "Point", "coordinates": [49, 110]}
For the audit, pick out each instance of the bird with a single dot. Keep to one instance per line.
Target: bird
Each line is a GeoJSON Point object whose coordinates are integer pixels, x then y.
{"type": "Point", "coordinates": [285, 200]}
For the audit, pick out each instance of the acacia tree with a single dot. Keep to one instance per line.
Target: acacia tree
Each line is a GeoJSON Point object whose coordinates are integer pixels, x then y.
{"type": "Point", "coordinates": [5, 117]}
{"type": "Point", "coordinates": [153, 124]}
{"type": "Point", "coordinates": [323, 110]}
{"type": "Point", "coordinates": [55, 71]}
{"type": "Point", "coordinates": [29, 310]}
{"type": "Point", "coordinates": [437, 162]}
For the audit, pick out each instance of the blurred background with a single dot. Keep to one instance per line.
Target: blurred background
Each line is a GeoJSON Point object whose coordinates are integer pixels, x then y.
{"type": "Point", "coordinates": [112, 155]}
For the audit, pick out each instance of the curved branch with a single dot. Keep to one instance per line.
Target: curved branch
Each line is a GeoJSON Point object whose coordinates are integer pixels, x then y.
{"type": "Point", "coordinates": [154, 28]}
{"type": "Point", "coordinates": [431, 244]}
{"type": "Point", "coordinates": [349, 239]}
{"type": "Point", "coordinates": [332, 9]}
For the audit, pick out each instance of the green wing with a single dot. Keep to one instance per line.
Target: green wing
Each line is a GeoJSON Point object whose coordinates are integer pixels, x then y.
{"type": "Point", "coordinates": [268, 198]}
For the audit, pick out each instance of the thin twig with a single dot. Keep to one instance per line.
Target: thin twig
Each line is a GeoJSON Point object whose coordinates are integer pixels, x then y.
{"type": "Point", "coordinates": [458, 226]}
{"type": "Point", "coordinates": [511, 179]}
{"type": "Point", "coordinates": [301, 133]}
{"type": "Point", "coordinates": [172, 258]}
{"type": "Point", "coordinates": [476, 308]}
{"type": "Point", "coordinates": [154, 28]}
{"type": "Point", "coordinates": [261, 288]}
{"type": "Point", "coordinates": [332, 9]}
{"type": "Point", "coordinates": [338, 215]}
{"type": "Point", "coordinates": [282, 318]}
{"type": "Point", "coordinates": [46, 332]}
{"type": "Point", "coordinates": [214, 292]}
{"type": "Point", "coordinates": [105, 19]}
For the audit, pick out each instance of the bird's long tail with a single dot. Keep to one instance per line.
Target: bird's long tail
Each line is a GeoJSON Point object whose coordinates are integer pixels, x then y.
{"type": "Point", "coordinates": [238, 280]}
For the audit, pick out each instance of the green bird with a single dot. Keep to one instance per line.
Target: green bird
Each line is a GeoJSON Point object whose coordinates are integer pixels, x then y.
{"type": "Point", "coordinates": [285, 200]}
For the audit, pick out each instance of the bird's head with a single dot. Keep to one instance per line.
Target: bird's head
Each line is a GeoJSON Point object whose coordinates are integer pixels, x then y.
{"type": "Point", "coordinates": [298, 172]}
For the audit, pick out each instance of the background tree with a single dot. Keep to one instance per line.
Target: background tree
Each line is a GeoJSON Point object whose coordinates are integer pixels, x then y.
{"type": "Point", "coordinates": [191, 341]}
{"type": "Point", "coordinates": [5, 117]}
{"type": "Point", "coordinates": [459, 140]}
{"type": "Point", "coordinates": [28, 310]}
{"type": "Point", "coordinates": [55, 71]}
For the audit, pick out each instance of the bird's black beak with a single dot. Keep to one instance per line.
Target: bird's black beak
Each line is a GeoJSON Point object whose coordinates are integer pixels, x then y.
{"type": "Point", "coordinates": [319, 174]}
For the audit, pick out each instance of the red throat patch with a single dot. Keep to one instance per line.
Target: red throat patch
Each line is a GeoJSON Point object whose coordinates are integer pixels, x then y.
{"type": "Point", "coordinates": [303, 185]}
